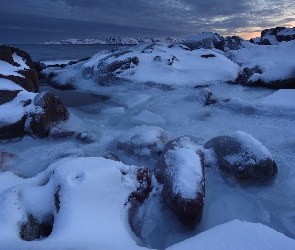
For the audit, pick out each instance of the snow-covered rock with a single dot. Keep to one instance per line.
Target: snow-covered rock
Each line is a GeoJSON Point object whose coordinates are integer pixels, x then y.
{"type": "Point", "coordinates": [142, 142]}
{"type": "Point", "coordinates": [243, 157]}
{"type": "Point", "coordinates": [274, 36]}
{"type": "Point", "coordinates": [80, 200]}
{"type": "Point", "coordinates": [160, 63]}
{"type": "Point", "coordinates": [209, 40]}
{"type": "Point", "coordinates": [180, 169]}
{"type": "Point", "coordinates": [22, 110]}
{"type": "Point", "coordinates": [17, 65]}
{"type": "Point", "coordinates": [268, 66]}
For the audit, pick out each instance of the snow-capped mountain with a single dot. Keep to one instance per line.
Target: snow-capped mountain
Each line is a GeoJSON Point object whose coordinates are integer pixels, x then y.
{"type": "Point", "coordinates": [116, 40]}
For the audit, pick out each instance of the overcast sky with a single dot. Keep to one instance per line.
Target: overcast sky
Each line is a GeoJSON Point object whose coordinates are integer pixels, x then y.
{"type": "Point", "coordinates": [34, 21]}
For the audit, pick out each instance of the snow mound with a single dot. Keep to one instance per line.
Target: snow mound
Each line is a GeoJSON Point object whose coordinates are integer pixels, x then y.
{"type": "Point", "coordinates": [86, 197]}
{"type": "Point", "coordinates": [238, 235]}
{"type": "Point", "coordinates": [162, 63]}
{"type": "Point", "coordinates": [283, 98]}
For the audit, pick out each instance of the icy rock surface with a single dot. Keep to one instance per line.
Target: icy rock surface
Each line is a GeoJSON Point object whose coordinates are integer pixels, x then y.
{"type": "Point", "coordinates": [243, 157]}
{"type": "Point", "coordinates": [180, 169]}
{"type": "Point", "coordinates": [142, 142]}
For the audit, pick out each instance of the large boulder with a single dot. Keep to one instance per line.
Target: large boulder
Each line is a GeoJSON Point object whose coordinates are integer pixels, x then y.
{"type": "Point", "coordinates": [243, 158]}
{"type": "Point", "coordinates": [142, 142]}
{"type": "Point", "coordinates": [22, 68]}
{"type": "Point", "coordinates": [53, 111]}
{"type": "Point", "coordinates": [181, 171]}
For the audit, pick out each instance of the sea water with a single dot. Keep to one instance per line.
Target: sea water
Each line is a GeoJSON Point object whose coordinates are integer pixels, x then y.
{"type": "Point", "coordinates": [57, 52]}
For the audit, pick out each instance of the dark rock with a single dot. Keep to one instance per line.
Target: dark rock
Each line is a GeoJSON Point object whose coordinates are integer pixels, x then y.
{"type": "Point", "coordinates": [276, 35]}
{"type": "Point", "coordinates": [30, 80]}
{"type": "Point", "coordinates": [13, 130]}
{"type": "Point", "coordinates": [244, 158]}
{"type": "Point", "coordinates": [58, 133]}
{"type": "Point", "coordinates": [144, 178]}
{"type": "Point", "coordinates": [33, 229]}
{"type": "Point", "coordinates": [108, 72]}
{"type": "Point", "coordinates": [209, 99]}
{"type": "Point", "coordinates": [53, 111]}
{"type": "Point", "coordinates": [138, 197]}
{"type": "Point", "coordinates": [111, 156]}
{"type": "Point", "coordinates": [158, 59]}
{"type": "Point", "coordinates": [7, 95]}
{"type": "Point", "coordinates": [216, 42]}
{"type": "Point", "coordinates": [171, 60]}
{"type": "Point", "coordinates": [56, 199]}
{"type": "Point", "coordinates": [39, 66]}
{"type": "Point", "coordinates": [186, 203]}
{"type": "Point", "coordinates": [207, 55]}
{"type": "Point", "coordinates": [21, 81]}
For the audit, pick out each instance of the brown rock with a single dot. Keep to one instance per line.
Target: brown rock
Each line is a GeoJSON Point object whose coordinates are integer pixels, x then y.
{"type": "Point", "coordinates": [53, 111]}
{"type": "Point", "coordinates": [7, 95]}
{"type": "Point", "coordinates": [14, 130]}
{"type": "Point", "coordinates": [245, 163]}
{"type": "Point", "coordinates": [187, 206]}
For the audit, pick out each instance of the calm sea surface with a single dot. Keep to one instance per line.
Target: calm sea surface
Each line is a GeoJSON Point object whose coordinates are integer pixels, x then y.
{"type": "Point", "coordinates": [52, 52]}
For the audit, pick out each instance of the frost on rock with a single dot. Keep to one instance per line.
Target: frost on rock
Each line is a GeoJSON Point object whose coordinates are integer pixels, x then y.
{"type": "Point", "coordinates": [243, 157]}
{"type": "Point", "coordinates": [142, 142]}
{"type": "Point", "coordinates": [181, 171]}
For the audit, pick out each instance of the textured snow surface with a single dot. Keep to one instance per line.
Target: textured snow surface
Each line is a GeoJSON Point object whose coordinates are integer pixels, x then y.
{"type": "Point", "coordinates": [92, 194]}
{"type": "Point", "coordinates": [161, 63]}
{"type": "Point", "coordinates": [253, 148]}
{"type": "Point", "coordinates": [283, 98]}
{"type": "Point", "coordinates": [187, 171]}
{"type": "Point", "coordinates": [238, 235]}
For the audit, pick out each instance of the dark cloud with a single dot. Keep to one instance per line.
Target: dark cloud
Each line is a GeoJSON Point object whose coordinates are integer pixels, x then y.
{"type": "Point", "coordinates": [140, 18]}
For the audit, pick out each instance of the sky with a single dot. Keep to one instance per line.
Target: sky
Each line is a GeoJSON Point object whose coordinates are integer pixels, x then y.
{"type": "Point", "coordinates": [35, 21]}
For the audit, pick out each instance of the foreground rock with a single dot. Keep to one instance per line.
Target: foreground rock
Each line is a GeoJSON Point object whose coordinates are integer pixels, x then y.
{"type": "Point", "coordinates": [181, 171]}
{"type": "Point", "coordinates": [243, 157]}
{"type": "Point", "coordinates": [18, 66]}
{"type": "Point", "coordinates": [22, 110]}
{"type": "Point", "coordinates": [53, 111]}
{"type": "Point", "coordinates": [142, 142]}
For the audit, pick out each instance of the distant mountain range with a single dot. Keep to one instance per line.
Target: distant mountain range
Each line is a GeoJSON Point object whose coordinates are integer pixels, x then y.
{"type": "Point", "coordinates": [271, 36]}
{"type": "Point", "coordinates": [116, 40]}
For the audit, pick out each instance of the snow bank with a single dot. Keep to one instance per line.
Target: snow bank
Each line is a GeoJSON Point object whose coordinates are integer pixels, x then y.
{"type": "Point", "coordinates": [283, 98]}
{"type": "Point", "coordinates": [238, 235]}
{"type": "Point", "coordinates": [86, 196]}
